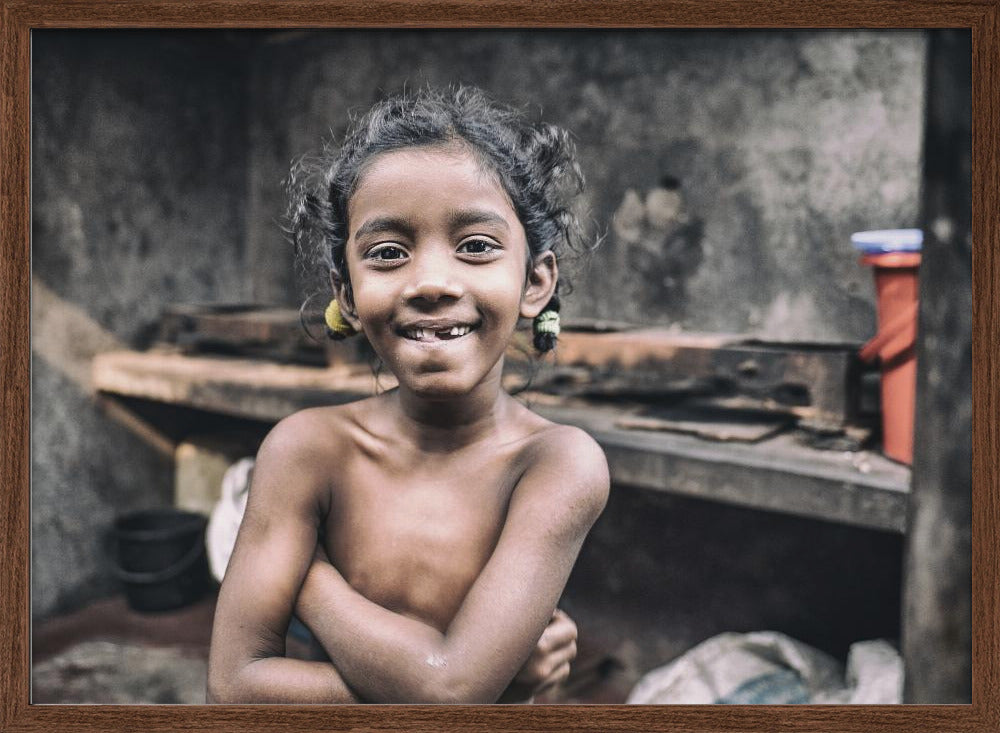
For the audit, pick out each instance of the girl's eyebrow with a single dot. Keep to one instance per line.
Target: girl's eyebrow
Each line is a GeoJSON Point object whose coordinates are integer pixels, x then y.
{"type": "Point", "coordinates": [467, 217]}
{"type": "Point", "coordinates": [383, 224]}
{"type": "Point", "coordinates": [457, 220]}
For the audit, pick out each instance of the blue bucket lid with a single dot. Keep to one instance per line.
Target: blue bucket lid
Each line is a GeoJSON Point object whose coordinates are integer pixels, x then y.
{"type": "Point", "coordinates": [881, 241]}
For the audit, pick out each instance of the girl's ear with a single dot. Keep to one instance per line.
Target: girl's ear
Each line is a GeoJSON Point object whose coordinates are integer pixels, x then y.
{"type": "Point", "coordinates": [345, 300]}
{"type": "Point", "coordinates": [541, 284]}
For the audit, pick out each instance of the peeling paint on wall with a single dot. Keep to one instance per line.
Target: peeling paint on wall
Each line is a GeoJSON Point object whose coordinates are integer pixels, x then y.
{"type": "Point", "coordinates": [660, 243]}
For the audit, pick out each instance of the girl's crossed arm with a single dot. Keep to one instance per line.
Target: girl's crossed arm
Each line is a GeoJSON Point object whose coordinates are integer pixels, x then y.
{"type": "Point", "coordinates": [273, 551]}
{"type": "Point", "coordinates": [388, 657]}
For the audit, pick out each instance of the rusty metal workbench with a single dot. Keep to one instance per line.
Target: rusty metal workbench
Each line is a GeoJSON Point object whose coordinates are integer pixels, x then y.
{"type": "Point", "coordinates": [860, 489]}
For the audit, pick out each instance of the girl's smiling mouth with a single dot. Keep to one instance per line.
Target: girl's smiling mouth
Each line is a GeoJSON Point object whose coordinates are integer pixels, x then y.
{"type": "Point", "coordinates": [430, 332]}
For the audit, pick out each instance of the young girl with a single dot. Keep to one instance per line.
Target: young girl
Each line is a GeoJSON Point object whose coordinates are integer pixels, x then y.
{"type": "Point", "coordinates": [423, 535]}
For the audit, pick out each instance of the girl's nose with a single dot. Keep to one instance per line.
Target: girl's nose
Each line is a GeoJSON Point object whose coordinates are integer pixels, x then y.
{"type": "Point", "coordinates": [432, 289]}
{"type": "Point", "coordinates": [432, 282]}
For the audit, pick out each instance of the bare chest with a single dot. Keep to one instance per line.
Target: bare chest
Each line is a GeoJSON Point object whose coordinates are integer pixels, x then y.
{"type": "Point", "coordinates": [415, 540]}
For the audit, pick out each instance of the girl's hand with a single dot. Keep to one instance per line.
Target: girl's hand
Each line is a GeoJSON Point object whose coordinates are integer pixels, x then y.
{"type": "Point", "coordinates": [549, 663]}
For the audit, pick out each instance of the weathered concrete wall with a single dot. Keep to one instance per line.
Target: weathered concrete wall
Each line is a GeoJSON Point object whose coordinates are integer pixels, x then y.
{"type": "Point", "coordinates": [728, 169]}
{"type": "Point", "coordinates": [139, 147]}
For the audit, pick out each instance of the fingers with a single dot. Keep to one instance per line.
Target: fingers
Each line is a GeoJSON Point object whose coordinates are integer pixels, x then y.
{"type": "Point", "coordinates": [559, 658]}
{"type": "Point", "coordinates": [558, 676]}
{"type": "Point", "coordinates": [549, 661]}
{"type": "Point", "coordinates": [545, 668]}
{"type": "Point", "coordinates": [561, 630]}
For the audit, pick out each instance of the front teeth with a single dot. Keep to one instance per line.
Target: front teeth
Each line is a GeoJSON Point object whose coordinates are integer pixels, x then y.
{"type": "Point", "coordinates": [422, 334]}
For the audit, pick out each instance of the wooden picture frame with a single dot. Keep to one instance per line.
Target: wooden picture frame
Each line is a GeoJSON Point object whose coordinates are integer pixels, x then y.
{"type": "Point", "coordinates": [20, 17]}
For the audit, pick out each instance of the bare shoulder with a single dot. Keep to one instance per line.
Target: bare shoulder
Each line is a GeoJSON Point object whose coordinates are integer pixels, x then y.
{"type": "Point", "coordinates": [295, 459]}
{"type": "Point", "coordinates": [569, 467]}
{"type": "Point", "coordinates": [570, 448]}
{"type": "Point", "coordinates": [304, 434]}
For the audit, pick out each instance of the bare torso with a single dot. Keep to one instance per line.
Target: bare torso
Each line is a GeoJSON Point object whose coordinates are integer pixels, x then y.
{"type": "Point", "coordinates": [411, 528]}
{"type": "Point", "coordinates": [469, 529]}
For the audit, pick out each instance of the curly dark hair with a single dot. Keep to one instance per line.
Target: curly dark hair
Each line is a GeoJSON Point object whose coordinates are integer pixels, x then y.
{"type": "Point", "coordinates": [534, 162]}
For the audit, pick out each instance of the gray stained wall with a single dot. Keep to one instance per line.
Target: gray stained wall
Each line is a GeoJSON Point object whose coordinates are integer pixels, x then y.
{"type": "Point", "coordinates": [138, 184]}
{"type": "Point", "coordinates": [774, 147]}
{"type": "Point", "coordinates": [726, 171]}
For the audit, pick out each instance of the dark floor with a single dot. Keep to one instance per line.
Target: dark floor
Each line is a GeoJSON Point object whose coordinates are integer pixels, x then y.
{"type": "Point", "coordinates": [107, 653]}
{"type": "Point", "coordinates": [111, 619]}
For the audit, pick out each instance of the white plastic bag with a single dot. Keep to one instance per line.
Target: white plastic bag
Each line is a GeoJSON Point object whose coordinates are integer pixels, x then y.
{"type": "Point", "coordinates": [224, 523]}
{"type": "Point", "coordinates": [767, 667]}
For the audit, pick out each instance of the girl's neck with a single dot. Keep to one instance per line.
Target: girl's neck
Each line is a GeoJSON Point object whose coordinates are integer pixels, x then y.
{"type": "Point", "coordinates": [448, 424]}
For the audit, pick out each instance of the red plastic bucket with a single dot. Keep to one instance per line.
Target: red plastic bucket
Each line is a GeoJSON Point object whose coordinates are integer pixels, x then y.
{"type": "Point", "coordinates": [896, 284]}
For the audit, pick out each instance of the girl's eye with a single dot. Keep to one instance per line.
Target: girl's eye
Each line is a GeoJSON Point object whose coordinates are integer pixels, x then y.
{"type": "Point", "coordinates": [386, 253]}
{"type": "Point", "coordinates": [478, 247]}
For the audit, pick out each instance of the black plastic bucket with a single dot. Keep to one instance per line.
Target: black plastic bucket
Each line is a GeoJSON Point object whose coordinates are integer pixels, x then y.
{"type": "Point", "coordinates": [161, 558]}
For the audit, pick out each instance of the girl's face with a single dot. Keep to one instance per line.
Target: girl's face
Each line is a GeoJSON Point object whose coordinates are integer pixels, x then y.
{"type": "Point", "coordinates": [438, 260]}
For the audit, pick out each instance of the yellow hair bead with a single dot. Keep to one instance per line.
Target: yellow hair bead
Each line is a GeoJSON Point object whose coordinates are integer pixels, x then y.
{"type": "Point", "coordinates": [337, 327]}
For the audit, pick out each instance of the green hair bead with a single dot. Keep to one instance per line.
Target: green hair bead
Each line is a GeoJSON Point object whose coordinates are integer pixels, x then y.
{"type": "Point", "coordinates": [547, 322]}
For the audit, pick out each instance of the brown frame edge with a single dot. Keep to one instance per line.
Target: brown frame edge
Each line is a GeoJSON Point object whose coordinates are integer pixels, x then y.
{"type": "Point", "coordinates": [17, 20]}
